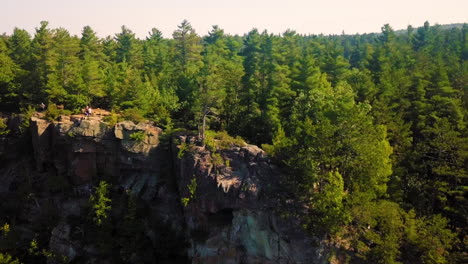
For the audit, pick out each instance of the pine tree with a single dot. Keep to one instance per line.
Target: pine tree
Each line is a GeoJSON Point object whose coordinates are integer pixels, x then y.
{"type": "Point", "coordinates": [128, 49]}
{"type": "Point", "coordinates": [64, 82]}
{"type": "Point", "coordinates": [187, 63]}
{"type": "Point", "coordinates": [9, 88]}
{"type": "Point", "coordinates": [43, 61]}
{"type": "Point", "coordinates": [92, 67]}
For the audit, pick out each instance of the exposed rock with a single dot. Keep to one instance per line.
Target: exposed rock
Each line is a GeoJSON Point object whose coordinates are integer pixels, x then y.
{"type": "Point", "coordinates": [60, 244]}
{"type": "Point", "coordinates": [84, 148]}
{"type": "Point", "coordinates": [232, 218]}
{"type": "Point", "coordinates": [41, 139]}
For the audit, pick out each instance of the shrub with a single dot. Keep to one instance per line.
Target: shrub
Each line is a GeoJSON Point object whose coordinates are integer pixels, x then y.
{"type": "Point", "coordinates": [133, 114]}
{"type": "Point", "coordinates": [100, 202]}
{"type": "Point", "coordinates": [112, 119]}
{"type": "Point", "coordinates": [27, 114]}
{"type": "Point", "coordinates": [7, 259]}
{"type": "Point", "coordinates": [5, 229]}
{"type": "Point", "coordinates": [138, 136]}
{"type": "Point", "coordinates": [3, 127]}
{"type": "Point", "coordinates": [183, 148]}
{"type": "Point", "coordinates": [52, 112]}
{"type": "Point", "coordinates": [192, 187]}
{"type": "Point", "coordinates": [221, 139]}
{"type": "Point", "coordinates": [216, 159]}
{"type": "Point", "coordinates": [210, 143]}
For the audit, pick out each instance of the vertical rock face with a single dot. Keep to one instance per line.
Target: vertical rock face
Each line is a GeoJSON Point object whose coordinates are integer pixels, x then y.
{"type": "Point", "coordinates": [83, 150]}
{"type": "Point", "coordinates": [230, 213]}
{"type": "Point", "coordinates": [232, 216]}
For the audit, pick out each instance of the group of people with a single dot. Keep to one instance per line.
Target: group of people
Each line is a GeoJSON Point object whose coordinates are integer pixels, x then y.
{"type": "Point", "coordinates": [88, 111]}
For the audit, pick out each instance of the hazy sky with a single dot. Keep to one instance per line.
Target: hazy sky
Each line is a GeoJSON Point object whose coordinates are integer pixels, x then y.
{"type": "Point", "coordinates": [234, 16]}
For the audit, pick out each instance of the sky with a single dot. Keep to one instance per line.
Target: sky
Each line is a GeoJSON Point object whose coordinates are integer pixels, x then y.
{"type": "Point", "coordinates": [235, 16]}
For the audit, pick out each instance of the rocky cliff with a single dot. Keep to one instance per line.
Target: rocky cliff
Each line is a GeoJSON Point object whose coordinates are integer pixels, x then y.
{"type": "Point", "coordinates": [173, 201]}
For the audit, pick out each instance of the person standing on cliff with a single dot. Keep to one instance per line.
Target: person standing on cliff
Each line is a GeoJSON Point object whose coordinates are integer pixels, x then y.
{"type": "Point", "coordinates": [86, 111]}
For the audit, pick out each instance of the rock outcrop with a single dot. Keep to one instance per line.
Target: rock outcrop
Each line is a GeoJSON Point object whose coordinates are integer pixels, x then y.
{"type": "Point", "coordinates": [231, 217]}
{"type": "Point", "coordinates": [83, 149]}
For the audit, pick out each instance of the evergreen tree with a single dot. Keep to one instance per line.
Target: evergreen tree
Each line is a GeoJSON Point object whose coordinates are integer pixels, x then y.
{"type": "Point", "coordinates": [187, 63]}
{"type": "Point", "coordinates": [92, 67]}
{"type": "Point", "coordinates": [128, 49]}
{"type": "Point", "coordinates": [64, 82]}
{"type": "Point", "coordinates": [9, 88]}
{"type": "Point", "coordinates": [43, 61]}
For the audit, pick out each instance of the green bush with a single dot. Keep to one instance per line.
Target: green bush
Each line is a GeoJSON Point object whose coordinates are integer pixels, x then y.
{"type": "Point", "coordinates": [183, 148]}
{"type": "Point", "coordinates": [27, 113]}
{"type": "Point", "coordinates": [133, 115]}
{"type": "Point", "coordinates": [210, 143]}
{"type": "Point", "coordinates": [112, 119]}
{"type": "Point", "coordinates": [138, 136]}
{"type": "Point", "coordinates": [100, 203]}
{"type": "Point", "coordinates": [192, 187]}
{"type": "Point", "coordinates": [7, 259]}
{"type": "Point", "coordinates": [3, 127]}
{"type": "Point", "coordinates": [221, 140]}
{"type": "Point", "coordinates": [216, 159]}
{"type": "Point", "coordinates": [52, 113]}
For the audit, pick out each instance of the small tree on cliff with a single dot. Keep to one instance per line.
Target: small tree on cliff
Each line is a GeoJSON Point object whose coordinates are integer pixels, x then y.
{"type": "Point", "coordinates": [100, 203]}
{"type": "Point", "coordinates": [208, 103]}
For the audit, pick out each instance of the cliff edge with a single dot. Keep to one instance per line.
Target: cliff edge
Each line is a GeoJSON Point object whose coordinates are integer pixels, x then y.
{"type": "Point", "coordinates": [173, 201]}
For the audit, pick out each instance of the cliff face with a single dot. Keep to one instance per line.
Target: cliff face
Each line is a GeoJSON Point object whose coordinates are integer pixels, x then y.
{"type": "Point", "coordinates": [229, 214]}
{"type": "Point", "coordinates": [233, 216]}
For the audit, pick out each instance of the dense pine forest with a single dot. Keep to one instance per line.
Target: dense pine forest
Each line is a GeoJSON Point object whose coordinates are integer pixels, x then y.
{"type": "Point", "coordinates": [370, 129]}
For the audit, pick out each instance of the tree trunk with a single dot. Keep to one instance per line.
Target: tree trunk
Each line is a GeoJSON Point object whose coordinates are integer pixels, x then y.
{"type": "Point", "coordinates": [203, 130]}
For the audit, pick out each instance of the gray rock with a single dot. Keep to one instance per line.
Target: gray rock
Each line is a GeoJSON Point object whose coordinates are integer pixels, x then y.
{"type": "Point", "coordinates": [61, 245]}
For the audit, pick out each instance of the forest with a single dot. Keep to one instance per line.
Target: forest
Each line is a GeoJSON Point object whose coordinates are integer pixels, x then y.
{"type": "Point", "coordinates": [371, 128]}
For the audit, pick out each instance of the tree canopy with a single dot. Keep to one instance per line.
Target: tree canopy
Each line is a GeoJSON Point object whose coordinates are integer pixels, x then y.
{"type": "Point", "coordinates": [371, 128]}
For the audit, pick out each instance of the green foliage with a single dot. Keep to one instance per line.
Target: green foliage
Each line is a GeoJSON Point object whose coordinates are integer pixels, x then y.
{"type": "Point", "coordinates": [34, 247]}
{"type": "Point", "coordinates": [221, 140]}
{"type": "Point", "coordinates": [217, 159]}
{"type": "Point", "coordinates": [100, 203]}
{"type": "Point", "coordinates": [52, 113]}
{"type": "Point", "coordinates": [138, 136]}
{"type": "Point", "coordinates": [192, 188]}
{"type": "Point", "coordinates": [429, 238]}
{"type": "Point", "coordinates": [34, 250]}
{"type": "Point", "coordinates": [383, 230]}
{"type": "Point", "coordinates": [360, 122]}
{"type": "Point", "coordinates": [3, 127]}
{"type": "Point", "coordinates": [328, 210]}
{"type": "Point", "coordinates": [27, 113]}
{"type": "Point", "coordinates": [112, 119]}
{"type": "Point", "coordinates": [7, 259]}
{"type": "Point", "coordinates": [70, 134]}
{"type": "Point", "coordinates": [133, 115]}
{"type": "Point", "coordinates": [5, 229]}
{"type": "Point", "coordinates": [183, 149]}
